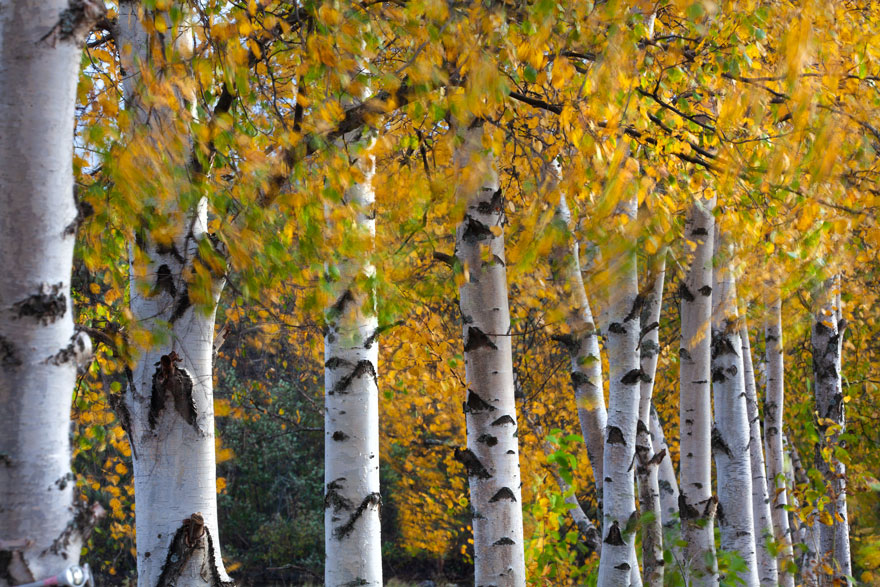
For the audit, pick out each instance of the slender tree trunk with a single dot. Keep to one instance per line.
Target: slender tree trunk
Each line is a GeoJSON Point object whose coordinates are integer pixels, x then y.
{"type": "Point", "coordinates": [730, 436]}
{"type": "Point", "coordinates": [828, 329]}
{"type": "Point", "coordinates": [492, 454]}
{"type": "Point", "coordinates": [648, 459]}
{"type": "Point", "coordinates": [807, 535]}
{"type": "Point", "coordinates": [696, 502]}
{"type": "Point", "coordinates": [773, 405]}
{"type": "Point", "coordinates": [618, 562]}
{"type": "Point", "coordinates": [41, 524]}
{"type": "Point", "coordinates": [582, 343]}
{"type": "Point", "coordinates": [667, 480]}
{"type": "Point", "coordinates": [169, 405]}
{"type": "Point", "coordinates": [767, 565]}
{"type": "Point", "coordinates": [351, 412]}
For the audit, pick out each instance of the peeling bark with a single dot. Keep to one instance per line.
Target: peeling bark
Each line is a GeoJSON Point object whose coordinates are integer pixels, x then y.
{"type": "Point", "coordinates": [40, 531]}
{"type": "Point", "coordinates": [730, 436]}
{"type": "Point", "coordinates": [763, 521]}
{"type": "Point", "coordinates": [827, 339]}
{"type": "Point", "coordinates": [695, 416]}
{"type": "Point", "coordinates": [490, 408]}
{"type": "Point", "coordinates": [774, 404]}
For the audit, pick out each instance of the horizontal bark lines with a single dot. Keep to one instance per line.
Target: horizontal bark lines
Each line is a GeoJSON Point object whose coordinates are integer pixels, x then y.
{"type": "Point", "coordinates": [490, 409]}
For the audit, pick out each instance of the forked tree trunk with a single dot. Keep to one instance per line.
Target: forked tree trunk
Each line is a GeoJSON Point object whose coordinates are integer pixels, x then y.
{"type": "Point", "coordinates": [492, 454]}
{"type": "Point", "coordinates": [41, 524]}
{"type": "Point", "coordinates": [774, 403]}
{"type": "Point", "coordinates": [767, 565]}
{"type": "Point", "coordinates": [696, 502]}
{"type": "Point", "coordinates": [827, 337]}
{"type": "Point", "coordinates": [618, 565]}
{"type": "Point", "coordinates": [168, 410]}
{"type": "Point", "coordinates": [582, 343]}
{"type": "Point", "coordinates": [649, 459]}
{"type": "Point", "coordinates": [351, 410]}
{"type": "Point", "coordinates": [730, 435]}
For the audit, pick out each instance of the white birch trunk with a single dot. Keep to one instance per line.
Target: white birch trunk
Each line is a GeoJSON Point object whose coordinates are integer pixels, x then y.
{"type": "Point", "coordinates": [582, 343]}
{"type": "Point", "coordinates": [774, 403]}
{"type": "Point", "coordinates": [492, 454]}
{"type": "Point", "coordinates": [767, 565]}
{"type": "Point", "coordinates": [40, 523]}
{"type": "Point", "coordinates": [618, 565]}
{"type": "Point", "coordinates": [667, 480]}
{"type": "Point", "coordinates": [807, 535]}
{"type": "Point", "coordinates": [352, 534]}
{"type": "Point", "coordinates": [730, 436]}
{"type": "Point", "coordinates": [648, 459]}
{"type": "Point", "coordinates": [827, 337]}
{"type": "Point", "coordinates": [696, 502]}
{"type": "Point", "coordinates": [169, 405]}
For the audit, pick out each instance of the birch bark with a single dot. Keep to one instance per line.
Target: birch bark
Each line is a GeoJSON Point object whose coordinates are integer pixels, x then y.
{"type": "Point", "coordinates": [773, 405]}
{"type": "Point", "coordinates": [696, 502]}
{"type": "Point", "coordinates": [767, 565]}
{"type": "Point", "coordinates": [730, 435]}
{"type": "Point", "coordinates": [351, 409]}
{"type": "Point", "coordinates": [827, 337]}
{"type": "Point", "coordinates": [618, 562]}
{"type": "Point", "coordinates": [492, 454]}
{"type": "Point", "coordinates": [582, 343]}
{"type": "Point", "coordinates": [667, 481]}
{"type": "Point", "coordinates": [169, 407]}
{"type": "Point", "coordinates": [648, 459]}
{"type": "Point", "coordinates": [40, 522]}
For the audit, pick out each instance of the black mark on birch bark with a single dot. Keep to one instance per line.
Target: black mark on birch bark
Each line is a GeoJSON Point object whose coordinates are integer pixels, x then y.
{"type": "Point", "coordinates": [616, 328]}
{"type": "Point", "coordinates": [503, 493]}
{"type": "Point", "coordinates": [181, 305]}
{"type": "Point", "coordinates": [336, 362]}
{"type": "Point", "coordinates": [684, 293]}
{"type": "Point", "coordinates": [476, 339]}
{"type": "Point", "coordinates": [488, 439]}
{"type": "Point", "coordinates": [188, 539]}
{"type": "Point", "coordinates": [475, 231]}
{"type": "Point", "coordinates": [363, 367]}
{"type": "Point", "coordinates": [636, 309]}
{"type": "Point", "coordinates": [46, 306]}
{"type": "Point", "coordinates": [475, 404]}
{"type": "Point", "coordinates": [718, 443]}
{"type": "Point", "coordinates": [503, 542]}
{"type": "Point", "coordinates": [164, 282]}
{"type": "Point", "coordinates": [75, 22]}
{"type": "Point", "coordinates": [614, 537]}
{"type": "Point", "coordinates": [333, 498]}
{"type": "Point", "coordinates": [705, 290]}
{"type": "Point", "coordinates": [634, 377]}
{"type": "Point", "coordinates": [505, 419]}
{"type": "Point", "coordinates": [341, 532]}
{"type": "Point", "coordinates": [8, 357]}
{"type": "Point", "coordinates": [615, 436]}
{"type": "Point", "coordinates": [339, 436]}
{"type": "Point", "coordinates": [471, 463]}
{"type": "Point", "coordinates": [494, 205]}
{"type": "Point", "coordinates": [169, 379]}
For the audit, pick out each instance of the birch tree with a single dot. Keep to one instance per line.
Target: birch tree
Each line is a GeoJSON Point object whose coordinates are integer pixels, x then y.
{"type": "Point", "coordinates": [582, 343]}
{"type": "Point", "coordinates": [648, 458]}
{"type": "Point", "coordinates": [168, 408]}
{"type": "Point", "coordinates": [351, 405]}
{"type": "Point", "coordinates": [492, 453]}
{"type": "Point", "coordinates": [624, 373]}
{"type": "Point", "coordinates": [774, 402]}
{"type": "Point", "coordinates": [696, 502]}
{"type": "Point", "coordinates": [730, 435]}
{"type": "Point", "coordinates": [41, 523]}
{"type": "Point", "coordinates": [767, 565]}
{"type": "Point", "coordinates": [827, 338]}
